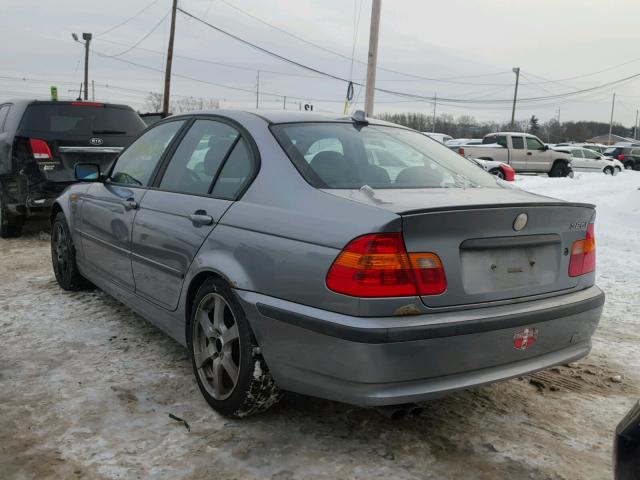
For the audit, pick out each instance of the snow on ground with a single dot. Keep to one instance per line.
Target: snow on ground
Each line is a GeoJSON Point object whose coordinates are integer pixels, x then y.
{"type": "Point", "coordinates": [86, 389]}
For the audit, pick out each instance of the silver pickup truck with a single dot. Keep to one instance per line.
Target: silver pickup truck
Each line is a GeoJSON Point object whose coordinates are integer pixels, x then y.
{"type": "Point", "coordinates": [523, 151]}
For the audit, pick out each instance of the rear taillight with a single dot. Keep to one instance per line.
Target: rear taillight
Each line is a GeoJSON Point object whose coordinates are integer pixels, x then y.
{"type": "Point", "coordinates": [378, 265]}
{"type": "Point", "coordinates": [509, 173]}
{"type": "Point", "coordinates": [583, 254]}
{"type": "Point", "coordinates": [40, 149]}
{"type": "Point", "coordinates": [620, 157]}
{"type": "Point", "coordinates": [461, 151]}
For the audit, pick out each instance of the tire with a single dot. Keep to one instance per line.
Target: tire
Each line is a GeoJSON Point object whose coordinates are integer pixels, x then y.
{"type": "Point", "coordinates": [497, 172]}
{"type": "Point", "coordinates": [10, 226]}
{"type": "Point", "coordinates": [618, 170]}
{"type": "Point", "coordinates": [609, 171]}
{"type": "Point", "coordinates": [628, 166]}
{"type": "Point", "coordinates": [559, 169]}
{"type": "Point", "coordinates": [63, 257]}
{"type": "Point", "coordinates": [226, 360]}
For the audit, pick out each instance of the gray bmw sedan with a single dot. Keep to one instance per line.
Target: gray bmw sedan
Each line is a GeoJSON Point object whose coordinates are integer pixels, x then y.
{"type": "Point", "coordinates": [345, 258]}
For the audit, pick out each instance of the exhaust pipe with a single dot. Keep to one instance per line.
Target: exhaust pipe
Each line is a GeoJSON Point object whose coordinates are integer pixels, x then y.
{"type": "Point", "coordinates": [398, 412]}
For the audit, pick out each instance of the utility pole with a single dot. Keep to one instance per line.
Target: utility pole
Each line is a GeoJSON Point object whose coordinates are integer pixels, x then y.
{"type": "Point", "coordinates": [515, 70]}
{"type": "Point", "coordinates": [435, 101]}
{"type": "Point", "coordinates": [613, 104]}
{"type": "Point", "coordinates": [635, 130]}
{"type": "Point", "coordinates": [284, 102]}
{"type": "Point", "coordinates": [167, 70]}
{"type": "Point", "coordinates": [93, 90]}
{"type": "Point", "coordinates": [373, 57]}
{"type": "Point", "coordinates": [257, 89]}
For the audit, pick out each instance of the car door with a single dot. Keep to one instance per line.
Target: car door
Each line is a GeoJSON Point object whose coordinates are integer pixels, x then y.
{"type": "Point", "coordinates": [578, 161]}
{"type": "Point", "coordinates": [199, 181]}
{"type": "Point", "coordinates": [107, 209]}
{"type": "Point", "coordinates": [538, 158]}
{"type": "Point", "coordinates": [592, 160]}
{"type": "Point", "coordinates": [518, 155]}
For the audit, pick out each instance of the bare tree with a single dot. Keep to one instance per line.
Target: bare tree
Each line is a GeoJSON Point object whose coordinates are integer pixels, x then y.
{"type": "Point", "coordinates": [153, 102]}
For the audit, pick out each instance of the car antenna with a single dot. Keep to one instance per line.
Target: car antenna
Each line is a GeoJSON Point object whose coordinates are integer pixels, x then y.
{"type": "Point", "coordinates": [359, 118]}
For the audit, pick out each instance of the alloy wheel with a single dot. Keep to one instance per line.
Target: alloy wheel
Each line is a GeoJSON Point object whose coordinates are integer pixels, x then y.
{"type": "Point", "coordinates": [61, 250]}
{"type": "Point", "coordinates": [216, 346]}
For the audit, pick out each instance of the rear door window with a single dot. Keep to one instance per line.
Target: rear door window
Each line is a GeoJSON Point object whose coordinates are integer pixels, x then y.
{"type": "Point", "coordinates": [198, 158]}
{"type": "Point", "coordinates": [517, 143]}
{"type": "Point", "coordinates": [236, 173]}
{"type": "Point", "coordinates": [137, 163]}
{"type": "Point", "coordinates": [577, 153]}
{"type": "Point", "coordinates": [81, 119]}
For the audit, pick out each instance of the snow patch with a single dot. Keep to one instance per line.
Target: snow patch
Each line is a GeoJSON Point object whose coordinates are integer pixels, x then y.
{"type": "Point", "coordinates": [257, 370]}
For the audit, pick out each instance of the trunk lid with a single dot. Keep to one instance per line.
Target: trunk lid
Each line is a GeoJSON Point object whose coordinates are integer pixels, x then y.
{"type": "Point", "coordinates": [472, 231]}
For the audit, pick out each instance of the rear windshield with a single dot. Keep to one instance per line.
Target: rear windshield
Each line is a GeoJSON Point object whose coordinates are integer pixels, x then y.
{"type": "Point", "coordinates": [68, 119]}
{"type": "Point", "coordinates": [612, 151]}
{"type": "Point", "coordinates": [344, 155]}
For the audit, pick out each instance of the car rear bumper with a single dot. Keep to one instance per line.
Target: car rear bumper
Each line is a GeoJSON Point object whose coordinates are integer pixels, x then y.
{"type": "Point", "coordinates": [392, 360]}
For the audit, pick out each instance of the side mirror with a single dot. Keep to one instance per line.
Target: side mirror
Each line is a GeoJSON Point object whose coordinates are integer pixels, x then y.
{"type": "Point", "coordinates": [87, 172]}
{"type": "Point", "coordinates": [544, 148]}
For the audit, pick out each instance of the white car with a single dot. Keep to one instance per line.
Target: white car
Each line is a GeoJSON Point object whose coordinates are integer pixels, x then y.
{"type": "Point", "coordinates": [587, 160]}
{"type": "Point", "coordinates": [440, 137]}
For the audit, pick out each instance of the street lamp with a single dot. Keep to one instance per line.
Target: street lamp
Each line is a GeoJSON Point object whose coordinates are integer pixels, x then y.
{"type": "Point", "coordinates": [87, 40]}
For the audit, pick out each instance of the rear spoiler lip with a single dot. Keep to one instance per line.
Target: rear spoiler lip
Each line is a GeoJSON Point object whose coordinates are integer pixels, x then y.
{"type": "Point", "coordinates": [420, 211]}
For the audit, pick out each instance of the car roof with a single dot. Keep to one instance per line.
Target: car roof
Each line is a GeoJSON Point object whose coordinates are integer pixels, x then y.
{"type": "Point", "coordinates": [513, 133]}
{"type": "Point", "coordinates": [285, 116]}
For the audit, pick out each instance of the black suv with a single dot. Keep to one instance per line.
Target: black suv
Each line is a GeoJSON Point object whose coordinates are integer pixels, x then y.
{"type": "Point", "coordinates": [40, 143]}
{"type": "Point", "coordinates": [628, 155]}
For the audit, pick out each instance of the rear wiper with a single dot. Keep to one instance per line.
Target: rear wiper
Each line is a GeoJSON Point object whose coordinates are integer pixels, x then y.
{"type": "Point", "coordinates": [110, 131]}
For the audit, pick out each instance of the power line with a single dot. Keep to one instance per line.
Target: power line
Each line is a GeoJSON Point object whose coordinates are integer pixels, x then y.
{"type": "Point", "coordinates": [398, 93]}
{"type": "Point", "coordinates": [346, 57]}
{"type": "Point", "coordinates": [128, 19]}
{"type": "Point", "coordinates": [147, 35]}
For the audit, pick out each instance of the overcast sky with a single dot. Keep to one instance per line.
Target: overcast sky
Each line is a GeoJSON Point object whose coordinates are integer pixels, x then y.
{"type": "Point", "coordinates": [469, 46]}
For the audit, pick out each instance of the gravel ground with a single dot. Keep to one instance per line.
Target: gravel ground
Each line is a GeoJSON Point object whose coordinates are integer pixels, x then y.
{"type": "Point", "coordinates": [87, 387]}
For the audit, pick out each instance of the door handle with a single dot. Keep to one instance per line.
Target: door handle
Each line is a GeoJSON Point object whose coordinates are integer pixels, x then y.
{"type": "Point", "coordinates": [200, 217]}
{"type": "Point", "coordinates": [529, 153]}
{"type": "Point", "coordinates": [130, 205]}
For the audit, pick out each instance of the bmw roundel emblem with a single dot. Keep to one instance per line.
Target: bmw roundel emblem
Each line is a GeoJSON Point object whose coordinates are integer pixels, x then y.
{"type": "Point", "coordinates": [96, 141]}
{"type": "Point", "coordinates": [520, 222]}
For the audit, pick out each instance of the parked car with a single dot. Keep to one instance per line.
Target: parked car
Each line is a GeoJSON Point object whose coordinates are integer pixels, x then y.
{"type": "Point", "coordinates": [457, 142]}
{"type": "Point", "coordinates": [596, 147]}
{"type": "Point", "coordinates": [499, 169]}
{"type": "Point", "coordinates": [283, 259]}
{"type": "Point", "coordinates": [440, 137]}
{"type": "Point", "coordinates": [628, 156]}
{"type": "Point", "coordinates": [626, 447]}
{"type": "Point", "coordinates": [40, 143]}
{"type": "Point", "coordinates": [522, 151]}
{"type": "Point", "coordinates": [587, 160]}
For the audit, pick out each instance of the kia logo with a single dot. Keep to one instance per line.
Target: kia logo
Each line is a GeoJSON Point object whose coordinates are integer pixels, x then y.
{"type": "Point", "coordinates": [96, 141]}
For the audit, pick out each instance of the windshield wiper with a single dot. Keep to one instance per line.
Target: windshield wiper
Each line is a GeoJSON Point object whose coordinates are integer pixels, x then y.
{"type": "Point", "coordinates": [120, 132]}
